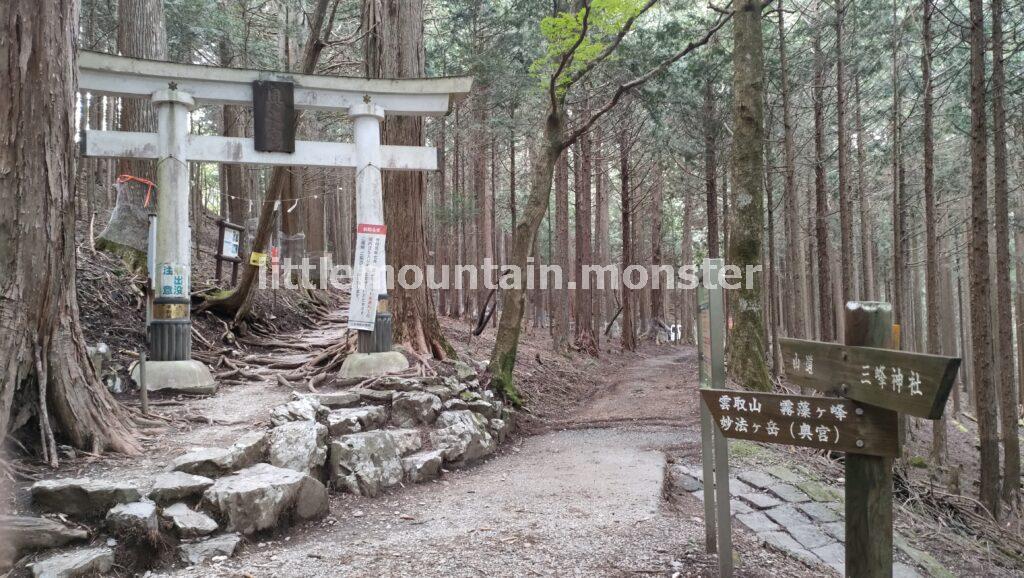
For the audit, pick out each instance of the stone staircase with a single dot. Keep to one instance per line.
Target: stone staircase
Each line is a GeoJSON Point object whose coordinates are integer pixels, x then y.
{"type": "Point", "coordinates": [360, 440]}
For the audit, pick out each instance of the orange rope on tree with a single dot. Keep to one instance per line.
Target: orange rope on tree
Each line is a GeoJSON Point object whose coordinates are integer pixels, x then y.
{"type": "Point", "coordinates": [149, 185]}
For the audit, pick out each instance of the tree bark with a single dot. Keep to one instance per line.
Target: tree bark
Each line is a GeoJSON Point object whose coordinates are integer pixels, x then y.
{"type": "Point", "coordinates": [585, 334]}
{"type": "Point", "coordinates": [394, 49]}
{"type": "Point", "coordinates": [845, 201]}
{"type": "Point", "coordinates": [931, 222]}
{"type": "Point", "coordinates": [771, 297]}
{"type": "Point", "coordinates": [657, 279]}
{"type": "Point", "coordinates": [484, 198]}
{"type": "Point", "coordinates": [1004, 304]}
{"type": "Point", "coordinates": [746, 347]}
{"type": "Point", "coordinates": [141, 33]}
{"type": "Point", "coordinates": [826, 312]}
{"type": "Point", "coordinates": [687, 317]}
{"type": "Point", "coordinates": [442, 249]}
{"type": "Point", "coordinates": [625, 293]}
{"type": "Point", "coordinates": [560, 307]}
{"type": "Point", "coordinates": [794, 248]}
{"type": "Point", "coordinates": [985, 389]}
{"type": "Point", "coordinates": [899, 260]}
{"type": "Point", "coordinates": [506, 343]}
{"type": "Point", "coordinates": [235, 185]}
{"type": "Point", "coordinates": [867, 276]}
{"type": "Point", "coordinates": [46, 371]}
{"type": "Point", "coordinates": [930, 218]}
{"type": "Point", "coordinates": [710, 169]}
{"type": "Point", "coordinates": [603, 302]}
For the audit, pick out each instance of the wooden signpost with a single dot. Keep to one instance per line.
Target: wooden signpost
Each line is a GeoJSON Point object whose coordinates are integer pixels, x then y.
{"type": "Point", "coordinates": [912, 383]}
{"type": "Point", "coordinates": [828, 423]}
{"type": "Point", "coordinates": [871, 385]}
{"type": "Point", "coordinates": [229, 246]}
{"type": "Point", "coordinates": [714, 446]}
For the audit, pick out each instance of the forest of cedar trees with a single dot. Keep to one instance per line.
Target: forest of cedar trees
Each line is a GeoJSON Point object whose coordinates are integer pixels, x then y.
{"type": "Point", "coordinates": [858, 150]}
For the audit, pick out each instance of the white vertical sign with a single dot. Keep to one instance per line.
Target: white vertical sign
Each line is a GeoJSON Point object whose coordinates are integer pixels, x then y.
{"type": "Point", "coordinates": [366, 276]}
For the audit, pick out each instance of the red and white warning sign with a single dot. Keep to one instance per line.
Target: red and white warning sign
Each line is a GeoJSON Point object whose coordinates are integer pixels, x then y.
{"type": "Point", "coordinates": [368, 276]}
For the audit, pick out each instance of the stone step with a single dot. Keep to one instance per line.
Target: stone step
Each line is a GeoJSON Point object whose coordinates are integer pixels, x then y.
{"type": "Point", "coordinates": [25, 534]}
{"type": "Point", "coordinates": [213, 548]}
{"type": "Point", "coordinates": [81, 497]}
{"type": "Point", "coordinates": [423, 466]}
{"type": "Point", "coordinates": [263, 496]}
{"type": "Point", "coordinates": [355, 419]}
{"type": "Point", "coordinates": [85, 562]}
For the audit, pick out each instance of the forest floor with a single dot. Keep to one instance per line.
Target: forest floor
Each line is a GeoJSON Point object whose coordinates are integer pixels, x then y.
{"type": "Point", "coordinates": [585, 487]}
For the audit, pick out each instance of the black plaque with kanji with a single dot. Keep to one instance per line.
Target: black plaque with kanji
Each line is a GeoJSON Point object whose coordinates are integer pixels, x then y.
{"type": "Point", "coordinates": [273, 116]}
{"type": "Point", "coordinates": [827, 423]}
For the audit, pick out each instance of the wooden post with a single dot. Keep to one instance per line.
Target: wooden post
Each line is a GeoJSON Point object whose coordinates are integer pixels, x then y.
{"type": "Point", "coordinates": [143, 392]}
{"type": "Point", "coordinates": [220, 248]}
{"type": "Point", "coordinates": [707, 425]}
{"type": "Point", "coordinates": [714, 445]}
{"type": "Point", "coordinates": [869, 513]}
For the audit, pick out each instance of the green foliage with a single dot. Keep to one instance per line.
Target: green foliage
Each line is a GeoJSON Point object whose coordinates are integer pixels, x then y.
{"type": "Point", "coordinates": [917, 462]}
{"type": "Point", "coordinates": [563, 31]}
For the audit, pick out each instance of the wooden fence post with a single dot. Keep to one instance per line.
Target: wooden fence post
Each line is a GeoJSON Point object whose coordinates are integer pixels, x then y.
{"type": "Point", "coordinates": [869, 513]}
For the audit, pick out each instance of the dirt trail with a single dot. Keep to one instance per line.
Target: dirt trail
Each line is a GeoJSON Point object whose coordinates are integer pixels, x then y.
{"type": "Point", "coordinates": [585, 498]}
{"type": "Point", "coordinates": [655, 387]}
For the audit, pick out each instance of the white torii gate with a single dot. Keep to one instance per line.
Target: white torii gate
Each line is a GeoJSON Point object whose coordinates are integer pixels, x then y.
{"type": "Point", "coordinates": [176, 88]}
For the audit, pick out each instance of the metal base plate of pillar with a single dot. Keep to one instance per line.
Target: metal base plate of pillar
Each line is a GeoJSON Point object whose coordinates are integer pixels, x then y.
{"type": "Point", "coordinates": [170, 339]}
{"type": "Point", "coordinates": [379, 340]}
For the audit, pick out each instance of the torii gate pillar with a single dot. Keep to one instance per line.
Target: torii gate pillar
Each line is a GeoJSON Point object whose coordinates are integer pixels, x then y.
{"type": "Point", "coordinates": [375, 356]}
{"type": "Point", "coordinates": [366, 119]}
{"type": "Point", "coordinates": [171, 326]}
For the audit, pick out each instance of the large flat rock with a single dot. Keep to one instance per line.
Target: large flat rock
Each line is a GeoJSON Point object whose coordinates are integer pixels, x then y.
{"type": "Point", "coordinates": [355, 419]}
{"type": "Point", "coordinates": [86, 562]}
{"type": "Point", "coordinates": [82, 497]}
{"type": "Point", "coordinates": [135, 522]}
{"type": "Point", "coordinates": [213, 462]}
{"type": "Point", "coordinates": [263, 496]}
{"type": "Point", "coordinates": [422, 466]}
{"type": "Point", "coordinates": [299, 446]}
{"type": "Point", "coordinates": [204, 550]}
{"type": "Point", "coordinates": [302, 408]}
{"type": "Point", "coordinates": [171, 487]}
{"type": "Point", "coordinates": [188, 523]}
{"type": "Point", "coordinates": [25, 533]}
{"type": "Point", "coordinates": [413, 408]}
{"type": "Point", "coordinates": [462, 436]}
{"type": "Point", "coordinates": [365, 463]}
{"type": "Point", "coordinates": [335, 399]}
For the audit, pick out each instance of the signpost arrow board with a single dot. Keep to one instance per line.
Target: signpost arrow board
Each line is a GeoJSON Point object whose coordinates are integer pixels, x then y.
{"type": "Point", "coordinates": [827, 423]}
{"type": "Point", "coordinates": [917, 384]}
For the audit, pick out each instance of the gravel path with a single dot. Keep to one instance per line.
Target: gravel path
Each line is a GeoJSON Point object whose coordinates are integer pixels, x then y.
{"type": "Point", "coordinates": [583, 501]}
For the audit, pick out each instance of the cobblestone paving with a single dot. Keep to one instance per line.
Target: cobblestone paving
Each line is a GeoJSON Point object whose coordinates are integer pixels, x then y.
{"type": "Point", "coordinates": [799, 517]}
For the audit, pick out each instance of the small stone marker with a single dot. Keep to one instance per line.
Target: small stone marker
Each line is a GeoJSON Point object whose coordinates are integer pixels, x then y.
{"type": "Point", "coordinates": [818, 422]}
